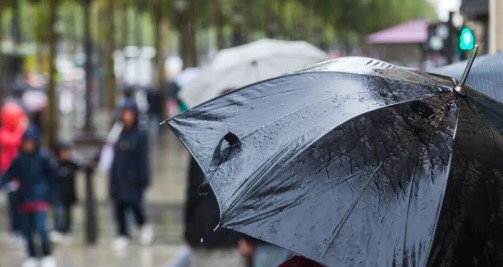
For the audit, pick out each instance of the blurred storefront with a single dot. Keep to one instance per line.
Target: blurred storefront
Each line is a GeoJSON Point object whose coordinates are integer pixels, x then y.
{"type": "Point", "coordinates": [402, 44]}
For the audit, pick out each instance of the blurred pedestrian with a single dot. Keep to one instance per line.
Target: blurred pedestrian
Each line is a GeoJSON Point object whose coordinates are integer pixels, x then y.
{"type": "Point", "coordinates": [210, 247]}
{"type": "Point", "coordinates": [32, 172]}
{"type": "Point", "coordinates": [14, 123]}
{"type": "Point", "coordinates": [129, 177]}
{"type": "Point", "coordinates": [66, 170]}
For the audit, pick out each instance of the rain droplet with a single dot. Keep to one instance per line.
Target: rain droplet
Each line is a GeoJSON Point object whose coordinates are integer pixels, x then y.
{"type": "Point", "coordinates": [252, 107]}
{"type": "Point", "coordinates": [202, 240]}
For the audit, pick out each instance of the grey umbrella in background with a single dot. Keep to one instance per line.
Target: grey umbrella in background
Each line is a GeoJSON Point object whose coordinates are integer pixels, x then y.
{"type": "Point", "coordinates": [486, 75]}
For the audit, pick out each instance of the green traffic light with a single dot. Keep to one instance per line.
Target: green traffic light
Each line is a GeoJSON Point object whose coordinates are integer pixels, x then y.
{"type": "Point", "coordinates": [466, 39]}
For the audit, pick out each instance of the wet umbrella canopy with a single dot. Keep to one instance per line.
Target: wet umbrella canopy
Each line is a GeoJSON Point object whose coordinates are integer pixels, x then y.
{"type": "Point", "coordinates": [356, 162]}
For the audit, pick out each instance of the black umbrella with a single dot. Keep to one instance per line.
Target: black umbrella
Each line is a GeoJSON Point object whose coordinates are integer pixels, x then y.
{"type": "Point", "coordinates": [356, 162]}
{"type": "Point", "coordinates": [486, 75]}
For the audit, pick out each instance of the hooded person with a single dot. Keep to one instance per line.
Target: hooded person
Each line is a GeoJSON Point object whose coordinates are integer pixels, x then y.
{"type": "Point", "coordinates": [14, 120]}
{"type": "Point", "coordinates": [130, 177]}
{"type": "Point", "coordinates": [210, 247]}
{"type": "Point", "coordinates": [32, 170]}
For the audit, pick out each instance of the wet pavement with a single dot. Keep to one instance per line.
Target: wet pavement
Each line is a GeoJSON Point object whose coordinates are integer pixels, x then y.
{"type": "Point", "coordinates": [166, 220]}
{"type": "Point", "coordinates": [164, 202]}
{"type": "Point", "coordinates": [97, 256]}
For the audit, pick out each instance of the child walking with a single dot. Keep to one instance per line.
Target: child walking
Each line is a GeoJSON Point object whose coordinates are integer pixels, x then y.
{"type": "Point", "coordinates": [66, 170]}
{"type": "Point", "coordinates": [33, 170]}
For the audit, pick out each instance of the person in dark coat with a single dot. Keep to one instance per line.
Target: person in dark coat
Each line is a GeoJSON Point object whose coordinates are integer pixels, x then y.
{"type": "Point", "coordinates": [201, 217]}
{"type": "Point", "coordinates": [33, 172]}
{"type": "Point", "coordinates": [66, 171]}
{"type": "Point", "coordinates": [130, 176]}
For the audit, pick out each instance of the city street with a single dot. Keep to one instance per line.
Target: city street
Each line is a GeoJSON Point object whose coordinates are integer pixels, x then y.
{"type": "Point", "coordinates": [164, 207]}
{"type": "Point", "coordinates": [232, 133]}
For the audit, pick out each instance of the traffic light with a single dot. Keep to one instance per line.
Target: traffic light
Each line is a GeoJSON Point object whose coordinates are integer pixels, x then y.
{"type": "Point", "coordinates": [466, 40]}
{"type": "Point", "coordinates": [450, 41]}
{"type": "Point", "coordinates": [438, 34]}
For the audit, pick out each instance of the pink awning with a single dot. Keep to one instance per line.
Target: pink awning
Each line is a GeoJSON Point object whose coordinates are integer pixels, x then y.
{"type": "Point", "coordinates": [411, 32]}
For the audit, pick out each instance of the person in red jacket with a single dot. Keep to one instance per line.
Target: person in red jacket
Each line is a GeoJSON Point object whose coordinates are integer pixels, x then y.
{"type": "Point", "coordinates": [14, 122]}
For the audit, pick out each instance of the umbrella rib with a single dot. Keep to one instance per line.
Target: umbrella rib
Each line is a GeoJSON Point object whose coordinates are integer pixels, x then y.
{"type": "Point", "coordinates": [262, 215]}
{"type": "Point", "coordinates": [358, 115]}
{"type": "Point", "coordinates": [302, 108]}
{"type": "Point", "coordinates": [338, 228]}
{"type": "Point", "coordinates": [408, 208]}
{"type": "Point", "coordinates": [272, 122]}
{"type": "Point", "coordinates": [253, 183]}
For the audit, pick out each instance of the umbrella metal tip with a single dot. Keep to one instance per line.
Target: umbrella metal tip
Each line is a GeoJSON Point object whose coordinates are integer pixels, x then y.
{"type": "Point", "coordinates": [459, 90]}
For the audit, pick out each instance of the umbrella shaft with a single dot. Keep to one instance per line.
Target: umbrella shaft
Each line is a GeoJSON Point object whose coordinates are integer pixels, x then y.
{"type": "Point", "coordinates": [469, 66]}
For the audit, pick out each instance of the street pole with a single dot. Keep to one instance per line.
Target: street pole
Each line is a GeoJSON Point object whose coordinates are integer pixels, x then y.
{"type": "Point", "coordinates": [216, 11]}
{"type": "Point", "coordinates": [187, 33]}
{"type": "Point", "coordinates": [87, 142]}
{"type": "Point", "coordinates": [88, 126]}
{"type": "Point", "coordinates": [237, 33]}
{"type": "Point", "coordinates": [90, 209]}
{"type": "Point", "coordinates": [2, 10]}
{"type": "Point", "coordinates": [51, 117]}
{"type": "Point", "coordinates": [159, 57]}
{"type": "Point", "coordinates": [110, 80]}
{"type": "Point", "coordinates": [138, 40]}
{"type": "Point", "coordinates": [449, 50]}
{"type": "Point", "coordinates": [15, 26]}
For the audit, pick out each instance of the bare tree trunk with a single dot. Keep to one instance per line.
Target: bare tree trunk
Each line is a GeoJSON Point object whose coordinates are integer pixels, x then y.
{"type": "Point", "coordinates": [217, 23]}
{"type": "Point", "coordinates": [88, 123]}
{"type": "Point", "coordinates": [137, 21]}
{"type": "Point", "coordinates": [51, 117]}
{"type": "Point", "coordinates": [241, 20]}
{"type": "Point", "coordinates": [109, 60]}
{"type": "Point", "coordinates": [160, 56]}
{"type": "Point", "coordinates": [188, 36]}
{"type": "Point", "coordinates": [2, 8]}
{"type": "Point", "coordinates": [16, 24]}
{"type": "Point", "coordinates": [125, 25]}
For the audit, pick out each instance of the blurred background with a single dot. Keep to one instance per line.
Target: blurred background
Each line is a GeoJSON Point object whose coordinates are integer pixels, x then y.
{"type": "Point", "coordinates": [71, 63]}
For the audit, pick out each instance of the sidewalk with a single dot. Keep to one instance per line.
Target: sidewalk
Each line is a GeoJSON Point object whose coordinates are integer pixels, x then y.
{"type": "Point", "coordinates": [97, 256]}
{"type": "Point", "coordinates": [164, 206]}
{"type": "Point", "coordinates": [166, 220]}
